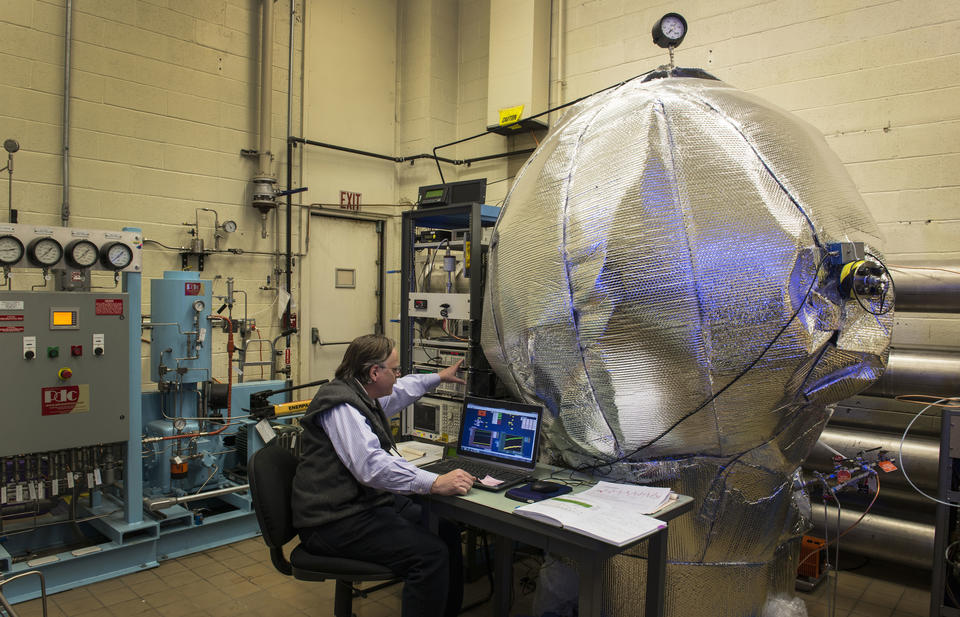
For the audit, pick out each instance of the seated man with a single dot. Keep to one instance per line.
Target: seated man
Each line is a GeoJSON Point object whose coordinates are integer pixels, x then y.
{"type": "Point", "coordinates": [347, 491]}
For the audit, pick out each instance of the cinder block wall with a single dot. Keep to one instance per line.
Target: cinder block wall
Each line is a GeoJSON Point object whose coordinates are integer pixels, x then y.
{"type": "Point", "coordinates": [164, 96]}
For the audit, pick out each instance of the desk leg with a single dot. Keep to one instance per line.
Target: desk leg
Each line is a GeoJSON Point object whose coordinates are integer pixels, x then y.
{"type": "Point", "coordinates": [590, 571]}
{"type": "Point", "coordinates": [502, 576]}
{"type": "Point", "coordinates": [656, 573]}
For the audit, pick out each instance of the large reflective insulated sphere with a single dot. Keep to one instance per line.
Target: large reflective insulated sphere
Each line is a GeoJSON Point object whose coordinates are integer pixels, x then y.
{"type": "Point", "coordinates": [660, 280]}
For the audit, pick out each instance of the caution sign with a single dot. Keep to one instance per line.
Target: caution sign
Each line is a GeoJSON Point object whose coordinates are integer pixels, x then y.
{"type": "Point", "coordinates": [61, 400]}
{"type": "Point", "coordinates": [109, 306]}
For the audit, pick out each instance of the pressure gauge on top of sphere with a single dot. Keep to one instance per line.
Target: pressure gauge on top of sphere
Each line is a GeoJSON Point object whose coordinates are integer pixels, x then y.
{"type": "Point", "coordinates": [116, 256]}
{"type": "Point", "coordinates": [669, 30]}
{"type": "Point", "coordinates": [44, 252]}
{"type": "Point", "coordinates": [11, 250]}
{"type": "Point", "coordinates": [81, 253]}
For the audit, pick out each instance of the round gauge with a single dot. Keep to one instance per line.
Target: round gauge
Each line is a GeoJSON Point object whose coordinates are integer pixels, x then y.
{"type": "Point", "coordinates": [81, 253]}
{"type": "Point", "coordinates": [669, 30]}
{"type": "Point", "coordinates": [11, 250]}
{"type": "Point", "coordinates": [229, 226]}
{"type": "Point", "coordinates": [116, 256]}
{"type": "Point", "coordinates": [44, 251]}
{"type": "Point", "coordinates": [179, 424]}
{"type": "Point", "coordinates": [198, 306]}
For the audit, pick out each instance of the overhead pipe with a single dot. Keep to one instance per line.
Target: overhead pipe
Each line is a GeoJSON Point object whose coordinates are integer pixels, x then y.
{"type": "Point", "coordinates": [927, 289]}
{"type": "Point", "coordinates": [410, 158]}
{"type": "Point", "coordinates": [289, 258]}
{"type": "Point", "coordinates": [67, 45]}
{"type": "Point", "coordinates": [264, 182]}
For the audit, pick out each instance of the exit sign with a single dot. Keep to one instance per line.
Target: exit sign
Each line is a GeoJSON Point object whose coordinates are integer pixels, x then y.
{"type": "Point", "coordinates": [349, 200]}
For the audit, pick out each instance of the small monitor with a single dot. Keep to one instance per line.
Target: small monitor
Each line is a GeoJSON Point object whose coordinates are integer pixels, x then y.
{"type": "Point", "coordinates": [425, 417]}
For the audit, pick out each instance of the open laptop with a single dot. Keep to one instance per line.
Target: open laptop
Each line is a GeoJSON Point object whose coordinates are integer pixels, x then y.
{"type": "Point", "coordinates": [497, 438]}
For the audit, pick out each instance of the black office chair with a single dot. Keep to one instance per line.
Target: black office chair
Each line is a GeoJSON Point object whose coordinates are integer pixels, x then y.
{"type": "Point", "coordinates": [271, 471]}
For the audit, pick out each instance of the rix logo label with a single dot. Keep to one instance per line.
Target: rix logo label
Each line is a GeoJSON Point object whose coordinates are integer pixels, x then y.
{"type": "Point", "coordinates": [69, 394]}
{"type": "Point", "coordinates": [64, 399]}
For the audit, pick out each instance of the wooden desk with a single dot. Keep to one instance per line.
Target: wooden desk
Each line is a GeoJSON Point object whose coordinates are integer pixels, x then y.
{"type": "Point", "coordinates": [494, 512]}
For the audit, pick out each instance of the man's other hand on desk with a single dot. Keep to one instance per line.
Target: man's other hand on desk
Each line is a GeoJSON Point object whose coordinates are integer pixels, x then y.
{"type": "Point", "coordinates": [456, 482]}
{"type": "Point", "coordinates": [449, 374]}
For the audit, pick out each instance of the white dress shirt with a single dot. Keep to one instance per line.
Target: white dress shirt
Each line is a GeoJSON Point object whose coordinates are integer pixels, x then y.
{"type": "Point", "coordinates": [359, 448]}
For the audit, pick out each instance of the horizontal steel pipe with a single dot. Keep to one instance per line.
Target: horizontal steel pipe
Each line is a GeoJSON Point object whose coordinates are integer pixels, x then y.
{"type": "Point", "coordinates": [161, 503]}
{"type": "Point", "coordinates": [914, 371]}
{"type": "Point", "coordinates": [926, 290]}
{"type": "Point", "coordinates": [920, 453]}
{"type": "Point", "coordinates": [881, 537]}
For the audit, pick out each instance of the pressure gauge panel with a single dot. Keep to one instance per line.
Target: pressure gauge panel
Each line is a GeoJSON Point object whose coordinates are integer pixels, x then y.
{"type": "Point", "coordinates": [11, 250]}
{"type": "Point", "coordinates": [44, 252]}
{"type": "Point", "coordinates": [116, 255]}
{"type": "Point", "coordinates": [669, 30]}
{"type": "Point", "coordinates": [82, 253]}
{"type": "Point", "coordinates": [198, 306]}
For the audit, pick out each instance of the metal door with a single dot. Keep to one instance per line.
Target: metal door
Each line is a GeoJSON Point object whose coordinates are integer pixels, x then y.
{"type": "Point", "coordinates": [344, 287]}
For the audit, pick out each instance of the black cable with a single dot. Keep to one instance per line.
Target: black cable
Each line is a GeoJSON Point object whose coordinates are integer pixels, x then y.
{"type": "Point", "coordinates": [533, 117]}
{"type": "Point", "coordinates": [702, 405]}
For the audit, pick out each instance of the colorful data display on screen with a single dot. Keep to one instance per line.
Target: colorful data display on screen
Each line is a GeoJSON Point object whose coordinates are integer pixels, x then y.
{"type": "Point", "coordinates": [507, 434]}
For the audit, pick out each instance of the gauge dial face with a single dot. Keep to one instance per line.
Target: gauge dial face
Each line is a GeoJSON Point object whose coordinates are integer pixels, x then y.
{"type": "Point", "coordinates": [116, 256]}
{"type": "Point", "coordinates": [179, 424]}
{"type": "Point", "coordinates": [11, 250]}
{"type": "Point", "coordinates": [229, 226]}
{"type": "Point", "coordinates": [673, 27]}
{"type": "Point", "coordinates": [198, 306]}
{"type": "Point", "coordinates": [44, 251]}
{"type": "Point", "coordinates": [82, 253]}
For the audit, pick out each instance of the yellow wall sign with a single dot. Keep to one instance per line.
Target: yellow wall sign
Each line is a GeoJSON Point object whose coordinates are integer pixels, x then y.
{"type": "Point", "coordinates": [511, 115]}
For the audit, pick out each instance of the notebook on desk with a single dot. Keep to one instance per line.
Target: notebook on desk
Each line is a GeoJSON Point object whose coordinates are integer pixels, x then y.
{"type": "Point", "coordinates": [499, 439]}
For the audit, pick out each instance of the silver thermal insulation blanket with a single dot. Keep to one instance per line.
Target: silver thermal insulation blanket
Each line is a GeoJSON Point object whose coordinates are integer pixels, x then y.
{"type": "Point", "coordinates": [658, 280]}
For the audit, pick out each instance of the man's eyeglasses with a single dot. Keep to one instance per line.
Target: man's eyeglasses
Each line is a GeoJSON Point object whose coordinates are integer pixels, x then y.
{"type": "Point", "coordinates": [397, 372]}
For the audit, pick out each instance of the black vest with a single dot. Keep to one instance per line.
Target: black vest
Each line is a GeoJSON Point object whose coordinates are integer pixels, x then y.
{"type": "Point", "coordinates": [324, 490]}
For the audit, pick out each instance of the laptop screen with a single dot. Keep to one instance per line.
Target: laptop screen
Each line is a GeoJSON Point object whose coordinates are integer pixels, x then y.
{"type": "Point", "coordinates": [500, 431]}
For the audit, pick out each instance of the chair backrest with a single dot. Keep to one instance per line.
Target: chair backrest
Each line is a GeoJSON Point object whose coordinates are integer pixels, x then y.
{"type": "Point", "coordinates": [270, 472]}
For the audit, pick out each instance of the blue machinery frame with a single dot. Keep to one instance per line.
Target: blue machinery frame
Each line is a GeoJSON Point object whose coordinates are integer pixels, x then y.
{"type": "Point", "coordinates": [132, 543]}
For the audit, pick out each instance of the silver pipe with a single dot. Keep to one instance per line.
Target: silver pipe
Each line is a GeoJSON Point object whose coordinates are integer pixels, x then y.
{"type": "Point", "coordinates": [266, 87]}
{"type": "Point", "coordinates": [914, 371]}
{"type": "Point", "coordinates": [67, 44]}
{"type": "Point", "coordinates": [927, 290]}
{"type": "Point", "coordinates": [922, 454]}
{"type": "Point", "coordinates": [161, 503]}
{"type": "Point", "coordinates": [882, 537]}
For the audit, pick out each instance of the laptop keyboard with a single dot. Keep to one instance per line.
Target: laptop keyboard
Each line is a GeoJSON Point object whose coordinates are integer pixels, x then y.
{"type": "Point", "coordinates": [477, 469]}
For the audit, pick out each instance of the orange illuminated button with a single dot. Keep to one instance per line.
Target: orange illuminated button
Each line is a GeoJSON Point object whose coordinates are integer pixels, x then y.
{"type": "Point", "coordinates": [64, 374]}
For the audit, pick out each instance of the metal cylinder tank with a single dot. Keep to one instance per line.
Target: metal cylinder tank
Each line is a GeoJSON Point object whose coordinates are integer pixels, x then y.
{"type": "Point", "coordinates": [180, 342]}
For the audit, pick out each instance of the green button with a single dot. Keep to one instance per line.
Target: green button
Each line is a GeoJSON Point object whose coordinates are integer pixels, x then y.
{"type": "Point", "coordinates": [53, 352]}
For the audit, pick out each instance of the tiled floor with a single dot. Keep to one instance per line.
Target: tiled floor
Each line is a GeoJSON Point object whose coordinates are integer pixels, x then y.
{"type": "Point", "coordinates": [239, 581]}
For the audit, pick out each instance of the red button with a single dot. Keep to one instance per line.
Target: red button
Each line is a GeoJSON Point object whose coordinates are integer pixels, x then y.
{"type": "Point", "coordinates": [64, 374]}
{"type": "Point", "coordinates": [76, 350]}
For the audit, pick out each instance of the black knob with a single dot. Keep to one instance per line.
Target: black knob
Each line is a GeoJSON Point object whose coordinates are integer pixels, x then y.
{"type": "Point", "coordinates": [98, 351]}
{"type": "Point", "coordinates": [28, 354]}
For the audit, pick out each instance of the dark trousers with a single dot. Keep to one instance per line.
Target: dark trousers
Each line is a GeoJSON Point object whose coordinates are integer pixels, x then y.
{"type": "Point", "coordinates": [397, 537]}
